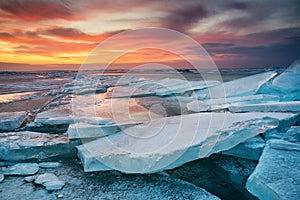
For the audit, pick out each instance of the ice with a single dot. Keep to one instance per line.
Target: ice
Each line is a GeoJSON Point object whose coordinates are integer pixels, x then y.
{"type": "Point", "coordinates": [276, 175]}
{"type": "Point", "coordinates": [177, 86]}
{"type": "Point", "coordinates": [50, 181]}
{"type": "Point", "coordinates": [21, 169]}
{"type": "Point", "coordinates": [289, 80]}
{"type": "Point", "coordinates": [54, 117]}
{"type": "Point", "coordinates": [25, 145]}
{"type": "Point", "coordinates": [11, 120]}
{"type": "Point", "coordinates": [223, 103]}
{"type": "Point", "coordinates": [250, 149]}
{"type": "Point", "coordinates": [240, 87]}
{"type": "Point", "coordinates": [83, 130]}
{"type": "Point", "coordinates": [289, 106]}
{"type": "Point", "coordinates": [233, 170]}
{"type": "Point", "coordinates": [143, 88]}
{"type": "Point", "coordinates": [167, 143]}
{"type": "Point", "coordinates": [162, 87]}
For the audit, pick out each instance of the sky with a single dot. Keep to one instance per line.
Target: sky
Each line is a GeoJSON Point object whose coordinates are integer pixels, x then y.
{"type": "Point", "coordinates": [61, 34]}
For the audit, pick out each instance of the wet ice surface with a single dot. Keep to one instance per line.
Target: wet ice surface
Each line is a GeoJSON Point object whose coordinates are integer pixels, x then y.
{"type": "Point", "coordinates": [42, 135]}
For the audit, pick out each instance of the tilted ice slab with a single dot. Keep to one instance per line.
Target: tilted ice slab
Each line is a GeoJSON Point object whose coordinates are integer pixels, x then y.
{"type": "Point", "coordinates": [223, 103]}
{"type": "Point", "coordinates": [84, 130]}
{"type": "Point", "coordinates": [289, 80]}
{"type": "Point", "coordinates": [240, 87]}
{"type": "Point", "coordinates": [161, 88]}
{"type": "Point", "coordinates": [167, 143]}
{"type": "Point", "coordinates": [11, 120]}
{"type": "Point", "coordinates": [177, 86]}
{"type": "Point", "coordinates": [277, 175]}
{"type": "Point", "coordinates": [54, 117]}
{"type": "Point", "coordinates": [289, 106]}
{"type": "Point", "coordinates": [143, 88]}
{"type": "Point", "coordinates": [25, 145]}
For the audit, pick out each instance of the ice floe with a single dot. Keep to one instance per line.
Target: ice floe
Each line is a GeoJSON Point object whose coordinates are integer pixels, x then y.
{"type": "Point", "coordinates": [170, 142]}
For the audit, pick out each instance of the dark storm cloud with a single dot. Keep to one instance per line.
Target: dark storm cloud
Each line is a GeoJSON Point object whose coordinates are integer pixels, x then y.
{"type": "Point", "coordinates": [34, 10]}
{"type": "Point", "coordinates": [5, 35]}
{"type": "Point", "coordinates": [65, 32]}
{"type": "Point", "coordinates": [185, 17]}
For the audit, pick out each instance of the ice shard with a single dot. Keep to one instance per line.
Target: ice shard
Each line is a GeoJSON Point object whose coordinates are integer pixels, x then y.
{"type": "Point", "coordinates": [288, 82]}
{"type": "Point", "coordinates": [163, 87]}
{"type": "Point", "coordinates": [177, 86]}
{"type": "Point", "coordinates": [288, 106]}
{"type": "Point", "coordinates": [240, 87]}
{"type": "Point", "coordinates": [167, 143]}
{"type": "Point", "coordinates": [223, 103]}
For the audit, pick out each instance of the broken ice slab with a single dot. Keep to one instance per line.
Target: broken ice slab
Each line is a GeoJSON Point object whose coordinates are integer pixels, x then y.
{"type": "Point", "coordinates": [250, 149]}
{"type": "Point", "coordinates": [55, 116]}
{"type": "Point", "coordinates": [240, 87]}
{"type": "Point", "coordinates": [291, 135]}
{"type": "Point", "coordinates": [163, 87]}
{"type": "Point", "coordinates": [50, 181]}
{"type": "Point", "coordinates": [83, 130]}
{"type": "Point", "coordinates": [172, 105]}
{"type": "Point", "coordinates": [276, 175]}
{"type": "Point", "coordinates": [167, 143]}
{"type": "Point", "coordinates": [223, 103]}
{"type": "Point", "coordinates": [18, 146]}
{"type": "Point", "coordinates": [288, 106]}
{"type": "Point", "coordinates": [11, 120]}
{"type": "Point", "coordinates": [177, 86]}
{"type": "Point", "coordinates": [289, 80]}
{"type": "Point", "coordinates": [21, 169]}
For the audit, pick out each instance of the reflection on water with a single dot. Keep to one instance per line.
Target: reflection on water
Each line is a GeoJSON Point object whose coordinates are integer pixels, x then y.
{"type": "Point", "coordinates": [5, 98]}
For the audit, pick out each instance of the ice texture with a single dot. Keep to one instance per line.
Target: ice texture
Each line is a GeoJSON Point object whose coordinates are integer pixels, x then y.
{"type": "Point", "coordinates": [167, 143]}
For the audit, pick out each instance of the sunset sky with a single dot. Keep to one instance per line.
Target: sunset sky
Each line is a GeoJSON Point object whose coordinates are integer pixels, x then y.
{"type": "Point", "coordinates": [54, 34]}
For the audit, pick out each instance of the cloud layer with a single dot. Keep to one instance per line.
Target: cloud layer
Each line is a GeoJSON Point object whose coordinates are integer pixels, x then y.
{"type": "Point", "coordinates": [235, 33]}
